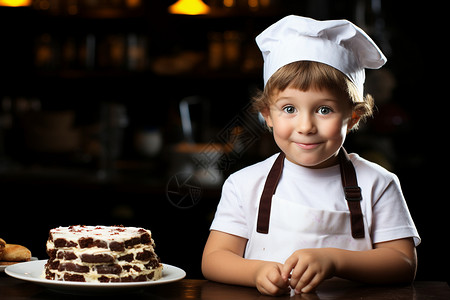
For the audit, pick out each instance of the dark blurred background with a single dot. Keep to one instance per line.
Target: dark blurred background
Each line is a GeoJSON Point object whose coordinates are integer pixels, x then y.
{"type": "Point", "coordinates": [120, 112]}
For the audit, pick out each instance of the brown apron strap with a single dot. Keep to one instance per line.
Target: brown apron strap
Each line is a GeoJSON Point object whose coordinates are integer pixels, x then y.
{"type": "Point", "coordinates": [349, 183]}
{"type": "Point", "coordinates": [352, 194]}
{"type": "Point", "coordinates": [270, 186]}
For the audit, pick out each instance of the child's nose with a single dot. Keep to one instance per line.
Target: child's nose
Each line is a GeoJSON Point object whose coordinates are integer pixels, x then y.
{"type": "Point", "coordinates": [306, 125]}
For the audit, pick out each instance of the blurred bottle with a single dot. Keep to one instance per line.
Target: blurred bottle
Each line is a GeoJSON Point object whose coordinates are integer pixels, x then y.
{"type": "Point", "coordinates": [45, 52]}
{"type": "Point", "coordinates": [113, 121]}
{"type": "Point", "coordinates": [136, 52]}
{"type": "Point", "coordinates": [215, 55]}
{"type": "Point", "coordinates": [232, 48]}
{"type": "Point", "coordinates": [148, 141]}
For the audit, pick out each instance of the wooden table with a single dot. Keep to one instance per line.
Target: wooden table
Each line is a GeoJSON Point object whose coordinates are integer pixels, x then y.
{"type": "Point", "coordinates": [11, 288]}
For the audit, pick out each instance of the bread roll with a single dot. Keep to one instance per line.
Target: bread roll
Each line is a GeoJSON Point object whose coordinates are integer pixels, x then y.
{"type": "Point", "coordinates": [14, 252]}
{"type": "Point", "coordinates": [2, 247]}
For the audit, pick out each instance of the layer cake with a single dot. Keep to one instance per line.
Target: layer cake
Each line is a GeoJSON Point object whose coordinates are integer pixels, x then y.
{"type": "Point", "coordinates": [102, 254]}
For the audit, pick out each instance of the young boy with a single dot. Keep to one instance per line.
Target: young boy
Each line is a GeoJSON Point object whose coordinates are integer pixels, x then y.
{"type": "Point", "coordinates": [312, 211]}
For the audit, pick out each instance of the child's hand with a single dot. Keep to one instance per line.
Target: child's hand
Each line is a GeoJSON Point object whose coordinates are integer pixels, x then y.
{"type": "Point", "coordinates": [269, 280]}
{"type": "Point", "coordinates": [309, 268]}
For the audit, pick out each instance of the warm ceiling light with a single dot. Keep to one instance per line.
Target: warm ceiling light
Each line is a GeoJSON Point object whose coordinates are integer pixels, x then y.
{"type": "Point", "coordinates": [189, 7]}
{"type": "Point", "coordinates": [15, 2]}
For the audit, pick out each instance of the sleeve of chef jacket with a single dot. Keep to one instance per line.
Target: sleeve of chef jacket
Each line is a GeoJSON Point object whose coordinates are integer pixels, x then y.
{"type": "Point", "coordinates": [391, 217]}
{"type": "Point", "coordinates": [230, 216]}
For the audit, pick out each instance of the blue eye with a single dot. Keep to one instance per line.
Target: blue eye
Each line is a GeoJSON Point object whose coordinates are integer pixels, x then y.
{"type": "Point", "coordinates": [324, 110]}
{"type": "Point", "coordinates": [289, 109]}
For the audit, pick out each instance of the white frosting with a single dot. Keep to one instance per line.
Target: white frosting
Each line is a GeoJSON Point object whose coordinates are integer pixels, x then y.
{"type": "Point", "coordinates": [118, 234]}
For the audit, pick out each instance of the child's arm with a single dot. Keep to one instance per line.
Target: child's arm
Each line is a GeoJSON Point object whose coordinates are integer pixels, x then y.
{"type": "Point", "coordinates": [223, 262]}
{"type": "Point", "coordinates": [390, 262]}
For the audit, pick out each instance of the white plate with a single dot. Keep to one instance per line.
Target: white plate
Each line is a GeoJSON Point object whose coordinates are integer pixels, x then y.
{"type": "Point", "coordinates": [32, 271]}
{"type": "Point", "coordinates": [3, 267]}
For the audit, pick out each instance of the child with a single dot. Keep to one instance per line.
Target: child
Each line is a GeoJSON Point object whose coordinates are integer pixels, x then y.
{"type": "Point", "coordinates": [312, 211]}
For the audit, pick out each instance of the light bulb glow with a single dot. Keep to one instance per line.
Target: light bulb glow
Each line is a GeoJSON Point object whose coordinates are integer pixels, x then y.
{"type": "Point", "coordinates": [189, 7]}
{"type": "Point", "coordinates": [15, 3]}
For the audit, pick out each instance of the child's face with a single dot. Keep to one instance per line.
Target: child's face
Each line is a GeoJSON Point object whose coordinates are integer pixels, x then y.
{"type": "Point", "coordinates": [309, 127]}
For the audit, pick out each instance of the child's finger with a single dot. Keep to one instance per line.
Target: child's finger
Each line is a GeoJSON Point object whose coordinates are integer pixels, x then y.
{"type": "Point", "coordinates": [277, 279]}
{"type": "Point", "coordinates": [302, 279]}
{"type": "Point", "coordinates": [312, 284]}
{"type": "Point", "coordinates": [276, 287]}
{"type": "Point", "coordinates": [297, 274]}
{"type": "Point", "coordinates": [289, 264]}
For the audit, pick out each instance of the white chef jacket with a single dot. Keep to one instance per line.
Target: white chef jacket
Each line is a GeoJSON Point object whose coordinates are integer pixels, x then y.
{"type": "Point", "coordinates": [383, 206]}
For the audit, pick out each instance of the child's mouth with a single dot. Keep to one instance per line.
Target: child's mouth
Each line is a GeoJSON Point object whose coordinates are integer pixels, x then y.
{"type": "Point", "coordinates": [308, 146]}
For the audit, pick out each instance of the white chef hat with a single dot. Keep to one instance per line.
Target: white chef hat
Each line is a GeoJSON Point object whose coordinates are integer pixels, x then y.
{"type": "Point", "coordinates": [337, 43]}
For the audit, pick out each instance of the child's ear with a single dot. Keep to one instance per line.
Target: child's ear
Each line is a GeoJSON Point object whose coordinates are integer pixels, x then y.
{"type": "Point", "coordinates": [265, 112]}
{"type": "Point", "coordinates": [353, 121]}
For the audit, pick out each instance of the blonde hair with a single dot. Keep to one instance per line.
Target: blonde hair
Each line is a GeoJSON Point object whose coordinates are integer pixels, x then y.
{"type": "Point", "coordinates": [305, 75]}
